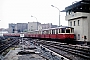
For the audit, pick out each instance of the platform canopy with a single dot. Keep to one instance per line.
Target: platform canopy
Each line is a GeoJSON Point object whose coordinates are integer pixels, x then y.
{"type": "Point", "coordinates": [81, 6]}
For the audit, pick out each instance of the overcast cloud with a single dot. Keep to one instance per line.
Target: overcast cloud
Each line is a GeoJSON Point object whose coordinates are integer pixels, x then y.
{"type": "Point", "coordinates": [20, 11]}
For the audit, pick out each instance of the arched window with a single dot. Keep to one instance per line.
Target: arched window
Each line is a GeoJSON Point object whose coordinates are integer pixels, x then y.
{"type": "Point", "coordinates": [74, 23]}
{"type": "Point", "coordinates": [78, 22]}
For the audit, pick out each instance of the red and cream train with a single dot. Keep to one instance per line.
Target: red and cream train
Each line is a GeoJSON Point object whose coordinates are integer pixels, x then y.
{"type": "Point", "coordinates": [61, 33]}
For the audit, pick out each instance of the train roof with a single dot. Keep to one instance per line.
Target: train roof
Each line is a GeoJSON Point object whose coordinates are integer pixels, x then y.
{"type": "Point", "coordinates": [61, 27]}
{"type": "Point", "coordinates": [52, 28]}
{"type": "Point", "coordinates": [58, 27]}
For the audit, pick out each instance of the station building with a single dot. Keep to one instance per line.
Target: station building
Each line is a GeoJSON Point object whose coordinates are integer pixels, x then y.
{"type": "Point", "coordinates": [78, 17]}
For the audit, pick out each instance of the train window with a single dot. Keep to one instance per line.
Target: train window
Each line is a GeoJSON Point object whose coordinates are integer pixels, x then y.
{"type": "Point", "coordinates": [67, 30]}
{"type": "Point", "coordinates": [42, 32]}
{"type": "Point", "coordinates": [59, 30]}
{"type": "Point", "coordinates": [56, 31]}
{"type": "Point", "coordinates": [53, 31]}
{"type": "Point", "coordinates": [47, 32]}
{"type": "Point", "coordinates": [50, 31]}
{"type": "Point", "coordinates": [39, 32]}
{"type": "Point", "coordinates": [63, 30]}
{"type": "Point", "coordinates": [72, 30]}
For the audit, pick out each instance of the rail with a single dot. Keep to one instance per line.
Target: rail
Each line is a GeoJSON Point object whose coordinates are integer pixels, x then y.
{"type": "Point", "coordinates": [74, 51]}
{"type": "Point", "coordinates": [5, 46]}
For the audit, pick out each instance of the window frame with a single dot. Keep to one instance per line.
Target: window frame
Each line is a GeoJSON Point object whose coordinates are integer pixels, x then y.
{"type": "Point", "coordinates": [53, 31]}
{"type": "Point", "coordinates": [68, 30]}
{"type": "Point", "coordinates": [63, 30]}
{"type": "Point", "coordinates": [74, 23]}
{"type": "Point", "coordinates": [70, 23]}
{"type": "Point", "coordinates": [56, 31]}
{"type": "Point", "coordinates": [78, 22]}
{"type": "Point", "coordinates": [78, 36]}
{"type": "Point", "coordinates": [72, 30]}
{"type": "Point", "coordinates": [59, 31]}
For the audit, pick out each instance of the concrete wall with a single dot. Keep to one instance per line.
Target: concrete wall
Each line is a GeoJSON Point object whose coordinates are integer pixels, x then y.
{"type": "Point", "coordinates": [75, 15]}
{"type": "Point", "coordinates": [88, 27]}
{"type": "Point", "coordinates": [84, 28]}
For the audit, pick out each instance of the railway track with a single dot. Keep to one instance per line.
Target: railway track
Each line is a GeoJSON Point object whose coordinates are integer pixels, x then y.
{"type": "Point", "coordinates": [7, 45]}
{"type": "Point", "coordinates": [72, 52]}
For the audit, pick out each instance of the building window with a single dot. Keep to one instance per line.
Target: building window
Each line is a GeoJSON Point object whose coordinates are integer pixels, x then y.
{"type": "Point", "coordinates": [71, 23]}
{"type": "Point", "coordinates": [78, 22]}
{"type": "Point", "coordinates": [74, 23]}
{"type": "Point", "coordinates": [78, 36]}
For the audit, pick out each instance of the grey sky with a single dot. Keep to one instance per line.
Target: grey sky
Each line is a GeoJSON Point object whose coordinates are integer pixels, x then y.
{"type": "Point", "coordinates": [20, 11]}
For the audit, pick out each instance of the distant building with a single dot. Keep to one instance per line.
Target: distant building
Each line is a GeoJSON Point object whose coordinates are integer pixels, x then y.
{"type": "Point", "coordinates": [28, 27]}
{"type": "Point", "coordinates": [11, 27]}
{"type": "Point", "coordinates": [48, 25]}
{"type": "Point", "coordinates": [33, 26]}
{"type": "Point", "coordinates": [2, 30]}
{"type": "Point", "coordinates": [39, 26]}
{"type": "Point", "coordinates": [22, 27]}
{"type": "Point", "coordinates": [78, 17]}
{"type": "Point", "coordinates": [17, 28]}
